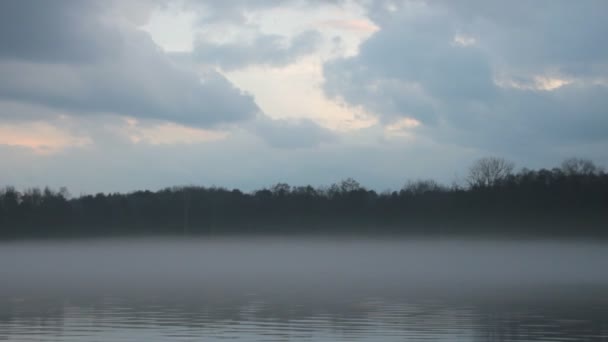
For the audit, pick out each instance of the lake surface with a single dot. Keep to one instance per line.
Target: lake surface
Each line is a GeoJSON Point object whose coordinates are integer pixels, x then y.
{"type": "Point", "coordinates": [303, 289]}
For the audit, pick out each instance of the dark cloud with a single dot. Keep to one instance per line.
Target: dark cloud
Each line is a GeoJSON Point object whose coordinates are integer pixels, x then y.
{"type": "Point", "coordinates": [440, 62]}
{"type": "Point", "coordinates": [556, 33]}
{"type": "Point", "coordinates": [64, 31]}
{"type": "Point", "coordinates": [407, 66]}
{"type": "Point", "coordinates": [77, 57]}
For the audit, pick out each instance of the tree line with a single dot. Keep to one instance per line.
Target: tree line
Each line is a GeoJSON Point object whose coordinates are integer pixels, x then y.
{"type": "Point", "coordinates": [569, 199]}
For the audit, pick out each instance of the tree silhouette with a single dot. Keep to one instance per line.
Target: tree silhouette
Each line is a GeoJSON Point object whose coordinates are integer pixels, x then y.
{"type": "Point", "coordinates": [489, 171]}
{"type": "Point", "coordinates": [570, 199]}
{"type": "Point", "coordinates": [579, 166]}
{"type": "Point", "coordinates": [420, 187]}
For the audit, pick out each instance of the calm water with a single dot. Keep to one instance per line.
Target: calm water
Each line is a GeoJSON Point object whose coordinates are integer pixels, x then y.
{"type": "Point", "coordinates": [302, 289]}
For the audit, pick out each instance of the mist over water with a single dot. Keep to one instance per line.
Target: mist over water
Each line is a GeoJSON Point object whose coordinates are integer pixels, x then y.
{"type": "Point", "coordinates": [303, 288]}
{"type": "Point", "coordinates": [313, 266]}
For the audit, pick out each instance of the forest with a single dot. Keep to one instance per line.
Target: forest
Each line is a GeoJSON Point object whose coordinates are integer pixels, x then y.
{"type": "Point", "coordinates": [571, 199]}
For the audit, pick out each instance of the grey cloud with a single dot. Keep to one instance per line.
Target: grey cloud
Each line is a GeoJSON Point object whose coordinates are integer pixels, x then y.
{"type": "Point", "coordinates": [289, 133]}
{"type": "Point", "coordinates": [412, 67]}
{"type": "Point", "coordinates": [265, 49]}
{"type": "Point", "coordinates": [89, 65]}
{"type": "Point", "coordinates": [570, 113]}
{"type": "Point", "coordinates": [235, 11]}
{"type": "Point", "coordinates": [229, 11]}
{"type": "Point", "coordinates": [408, 67]}
{"type": "Point", "coordinates": [64, 31]}
{"type": "Point", "coordinates": [390, 97]}
{"type": "Point", "coordinates": [560, 34]}
{"type": "Point", "coordinates": [522, 124]}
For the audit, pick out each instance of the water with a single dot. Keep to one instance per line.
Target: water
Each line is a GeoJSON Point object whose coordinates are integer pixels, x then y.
{"type": "Point", "coordinates": [303, 289]}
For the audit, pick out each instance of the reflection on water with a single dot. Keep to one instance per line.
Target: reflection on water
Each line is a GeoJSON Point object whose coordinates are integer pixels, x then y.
{"type": "Point", "coordinates": [256, 320]}
{"type": "Point", "coordinates": [279, 290]}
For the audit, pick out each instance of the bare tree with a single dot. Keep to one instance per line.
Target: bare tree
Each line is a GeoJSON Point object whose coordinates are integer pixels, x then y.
{"type": "Point", "coordinates": [421, 187]}
{"type": "Point", "coordinates": [489, 171]}
{"type": "Point", "coordinates": [280, 189]}
{"type": "Point", "coordinates": [578, 166]}
{"type": "Point", "coordinates": [349, 185]}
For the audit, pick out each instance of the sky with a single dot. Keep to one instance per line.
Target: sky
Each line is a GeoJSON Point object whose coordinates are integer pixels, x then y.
{"type": "Point", "coordinates": [121, 95]}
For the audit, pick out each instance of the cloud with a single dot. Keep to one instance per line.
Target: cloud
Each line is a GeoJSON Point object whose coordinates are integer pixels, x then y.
{"type": "Point", "coordinates": [437, 84]}
{"type": "Point", "coordinates": [163, 133]}
{"type": "Point", "coordinates": [40, 137]}
{"type": "Point", "coordinates": [79, 58]}
{"type": "Point", "coordinates": [402, 127]}
{"type": "Point", "coordinates": [291, 133]}
{"type": "Point", "coordinates": [265, 49]}
{"type": "Point", "coordinates": [238, 11]}
{"type": "Point", "coordinates": [357, 25]}
{"type": "Point", "coordinates": [244, 161]}
{"type": "Point", "coordinates": [443, 63]}
{"type": "Point", "coordinates": [546, 33]}
{"type": "Point", "coordinates": [64, 31]}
